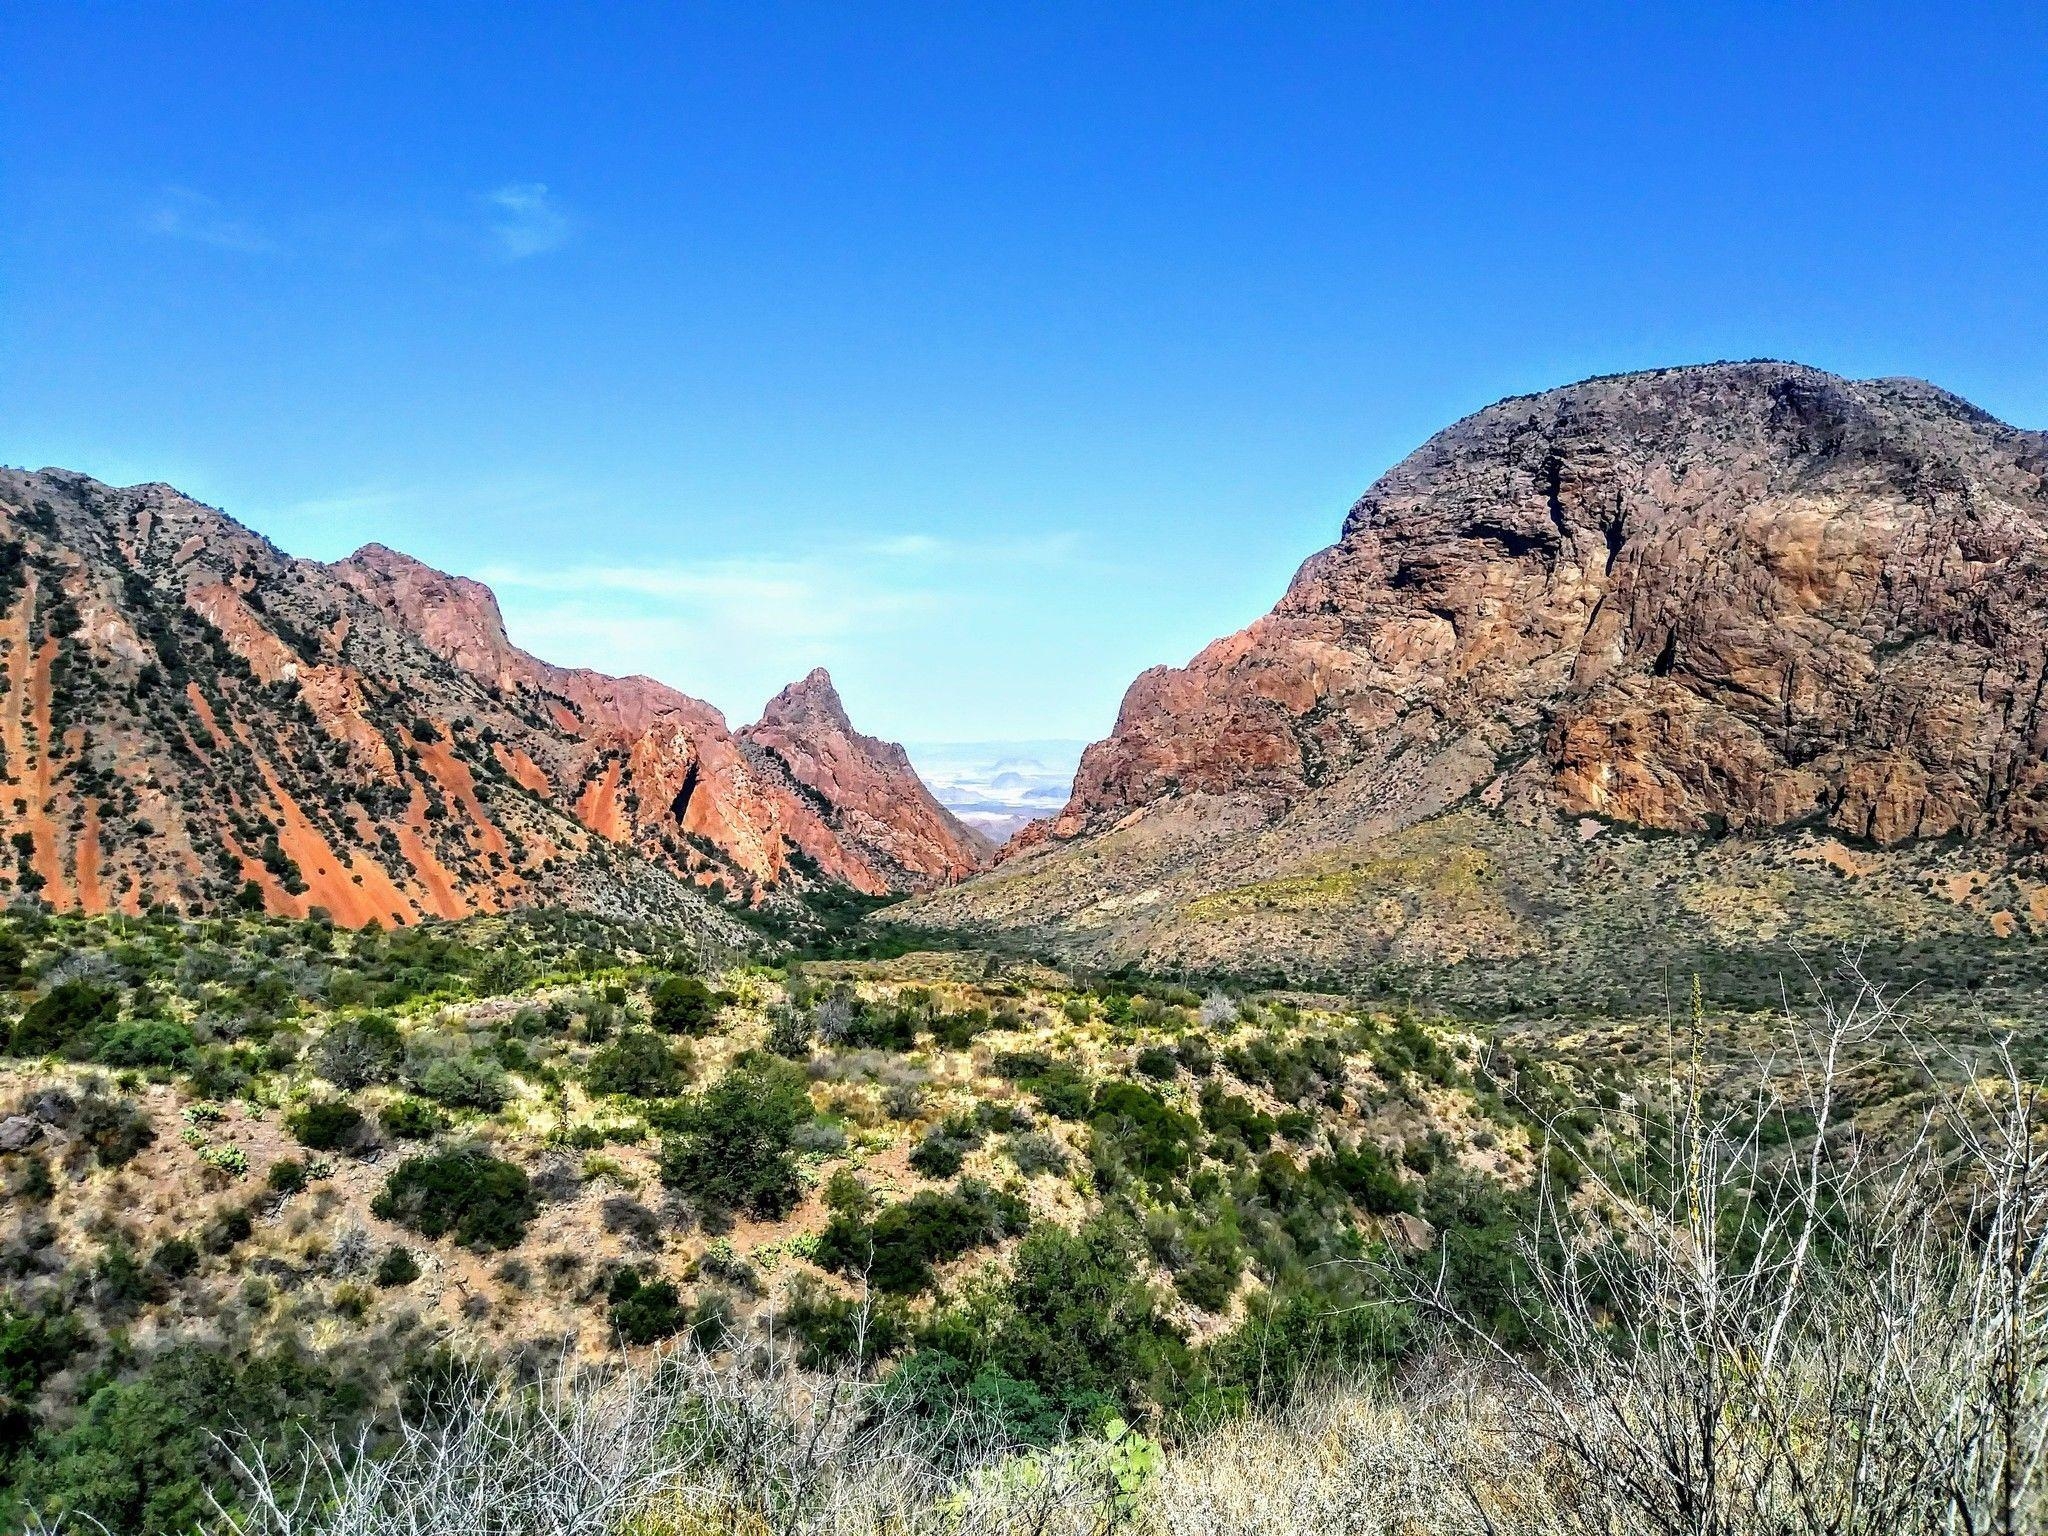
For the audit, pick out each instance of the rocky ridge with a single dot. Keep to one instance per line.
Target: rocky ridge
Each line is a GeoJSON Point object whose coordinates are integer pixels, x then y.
{"type": "Point", "coordinates": [192, 716]}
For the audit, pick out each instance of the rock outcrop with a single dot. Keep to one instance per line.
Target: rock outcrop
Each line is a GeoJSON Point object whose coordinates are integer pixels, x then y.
{"type": "Point", "coordinates": [1730, 598]}
{"type": "Point", "coordinates": [866, 791]}
{"type": "Point", "coordinates": [192, 716]}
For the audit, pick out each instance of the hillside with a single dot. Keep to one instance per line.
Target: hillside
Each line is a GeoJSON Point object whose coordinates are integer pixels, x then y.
{"type": "Point", "coordinates": [275, 1174]}
{"type": "Point", "coordinates": [192, 717]}
{"type": "Point", "coordinates": [1750, 608]}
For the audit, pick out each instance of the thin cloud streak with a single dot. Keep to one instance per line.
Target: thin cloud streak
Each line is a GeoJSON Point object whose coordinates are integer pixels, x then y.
{"type": "Point", "coordinates": [527, 220]}
{"type": "Point", "coordinates": [760, 597]}
{"type": "Point", "coordinates": [193, 218]}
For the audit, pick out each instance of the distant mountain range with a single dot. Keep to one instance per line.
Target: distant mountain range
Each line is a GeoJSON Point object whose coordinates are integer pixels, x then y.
{"type": "Point", "coordinates": [192, 717]}
{"type": "Point", "coordinates": [997, 787]}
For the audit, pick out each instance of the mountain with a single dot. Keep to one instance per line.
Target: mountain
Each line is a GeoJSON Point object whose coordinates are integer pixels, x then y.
{"type": "Point", "coordinates": [188, 711]}
{"type": "Point", "coordinates": [1745, 604]}
{"type": "Point", "coordinates": [864, 790]}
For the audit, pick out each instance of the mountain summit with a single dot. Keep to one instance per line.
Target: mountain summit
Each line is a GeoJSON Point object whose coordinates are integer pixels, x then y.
{"type": "Point", "coordinates": [1737, 598]}
{"type": "Point", "coordinates": [191, 715]}
{"type": "Point", "coordinates": [866, 790]}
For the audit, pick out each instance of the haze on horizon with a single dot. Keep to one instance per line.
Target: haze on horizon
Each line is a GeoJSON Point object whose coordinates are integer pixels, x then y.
{"type": "Point", "coordinates": [984, 359]}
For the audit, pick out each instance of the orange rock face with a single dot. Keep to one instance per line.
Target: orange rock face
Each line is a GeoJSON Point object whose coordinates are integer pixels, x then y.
{"type": "Point", "coordinates": [1737, 596]}
{"type": "Point", "coordinates": [190, 712]}
{"type": "Point", "coordinates": [869, 799]}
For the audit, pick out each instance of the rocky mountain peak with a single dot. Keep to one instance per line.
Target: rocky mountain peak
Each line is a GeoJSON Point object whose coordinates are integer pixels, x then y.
{"type": "Point", "coordinates": [804, 736]}
{"type": "Point", "coordinates": [455, 617]}
{"type": "Point", "coordinates": [1733, 598]}
{"type": "Point", "coordinates": [811, 698]}
{"type": "Point", "coordinates": [190, 713]}
{"type": "Point", "coordinates": [1732, 595]}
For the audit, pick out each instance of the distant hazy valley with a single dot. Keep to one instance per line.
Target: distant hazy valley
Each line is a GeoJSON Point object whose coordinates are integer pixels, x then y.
{"type": "Point", "coordinates": [996, 787]}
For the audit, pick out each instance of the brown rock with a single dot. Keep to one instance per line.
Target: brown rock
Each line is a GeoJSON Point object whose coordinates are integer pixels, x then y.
{"type": "Point", "coordinates": [871, 801]}
{"type": "Point", "coordinates": [1737, 597]}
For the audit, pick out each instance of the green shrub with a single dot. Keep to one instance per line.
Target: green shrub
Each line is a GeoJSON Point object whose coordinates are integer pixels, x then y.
{"type": "Point", "coordinates": [1021, 1067]}
{"type": "Point", "coordinates": [398, 1267]}
{"type": "Point", "coordinates": [460, 1078]}
{"type": "Point", "coordinates": [899, 1248]}
{"type": "Point", "coordinates": [33, 1183]}
{"type": "Point", "coordinates": [957, 1031]}
{"type": "Point", "coordinates": [485, 1201]}
{"type": "Point", "coordinates": [175, 1257]}
{"type": "Point", "coordinates": [287, 1176]}
{"type": "Point", "coordinates": [1232, 1118]}
{"type": "Point", "coordinates": [1080, 1320]}
{"type": "Point", "coordinates": [645, 1311]}
{"type": "Point", "coordinates": [412, 1120]}
{"type": "Point", "coordinates": [1146, 1136]}
{"type": "Point", "coordinates": [145, 1043]}
{"type": "Point", "coordinates": [325, 1125]}
{"type": "Point", "coordinates": [1035, 1152]}
{"type": "Point", "coordinates": [34, 1346]}
{"type": "Point", "coordinates": [1158, 1061]}
{"type": "Point", "coordinates": [842, 1330]}
{"type": "Point", "coordinates": [733, 1147]}
{"type": "Point", "coordinates": [683, 1005]}
{"type": "Point", "coordinates": [63, 1021]}
{"type": "Point", "coordinates": [357, 1052]}
{"type": "Point", "coordinates": [1368, 1176]}
{"type": "Point", "coordinates": [880, 1028]}
{"type": "Point", "coordinates": [943, 1149]}
{"type": "Point", "coordinates": [642, 1065]}
{"type": "Point", "coordinates": [144, 1454]}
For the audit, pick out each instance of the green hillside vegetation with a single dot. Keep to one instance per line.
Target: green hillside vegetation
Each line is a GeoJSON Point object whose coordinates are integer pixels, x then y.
{"type": "Point", "coordinates": [269, 1176]}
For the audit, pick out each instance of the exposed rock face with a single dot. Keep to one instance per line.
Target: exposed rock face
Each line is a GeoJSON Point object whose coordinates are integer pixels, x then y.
{"type": "Point", "coordinates": [188, 710]}
{"type": "Point", "coordinates": [1733, 597]}
{"type": "Point", "coordinates": [1740, 595]}
{"type": "Point", "coordinates": [866, 791]}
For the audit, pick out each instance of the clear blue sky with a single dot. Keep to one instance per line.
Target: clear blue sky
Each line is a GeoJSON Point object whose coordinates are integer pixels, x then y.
{"type": "Point", "coordinates": [983, 354]}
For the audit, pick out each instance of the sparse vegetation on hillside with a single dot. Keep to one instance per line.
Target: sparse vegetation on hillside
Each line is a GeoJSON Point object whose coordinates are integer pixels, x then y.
{"type": "Point", "coordinates": [1005, 1208]}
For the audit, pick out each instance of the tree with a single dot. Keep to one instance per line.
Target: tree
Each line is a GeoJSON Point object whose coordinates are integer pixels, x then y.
{"type": "Point", "coordinates": [485, 1201]}
{"type": "Point", "coordinates": [683, 1005]}
{"type": "Point", "coordinates": [734, 1147]}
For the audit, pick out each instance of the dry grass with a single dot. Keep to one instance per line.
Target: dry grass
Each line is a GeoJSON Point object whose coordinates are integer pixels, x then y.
{"type": "Point", "coordinates": [1735, 1335]}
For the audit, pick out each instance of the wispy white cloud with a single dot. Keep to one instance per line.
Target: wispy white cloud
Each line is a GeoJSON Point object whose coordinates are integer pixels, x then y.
{"type": "Point", "coordinates": [731, 629]}
{"type": "Point", "coordinates": [764, 598]}
{"type": "Point", "coordinates": [367, 502]}
{"type": "Point", "coordinates": [526, 219]}
{"type": "Point", "coordinates": [179, 213]}
{"type": "Point", "coordinates": [922, 548]}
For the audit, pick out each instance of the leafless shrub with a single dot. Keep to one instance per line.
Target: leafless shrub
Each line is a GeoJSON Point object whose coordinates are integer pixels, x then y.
{"type": "Point", "coordinates": [351, 1250]}
{"type": "Point", "coordinates": [1756, 1329]}
{"type": "Point", "coordinates": [686, 1447]}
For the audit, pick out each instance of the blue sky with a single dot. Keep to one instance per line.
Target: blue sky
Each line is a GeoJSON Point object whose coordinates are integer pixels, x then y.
{"type": "Point", "coordinates": [984, 354]}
